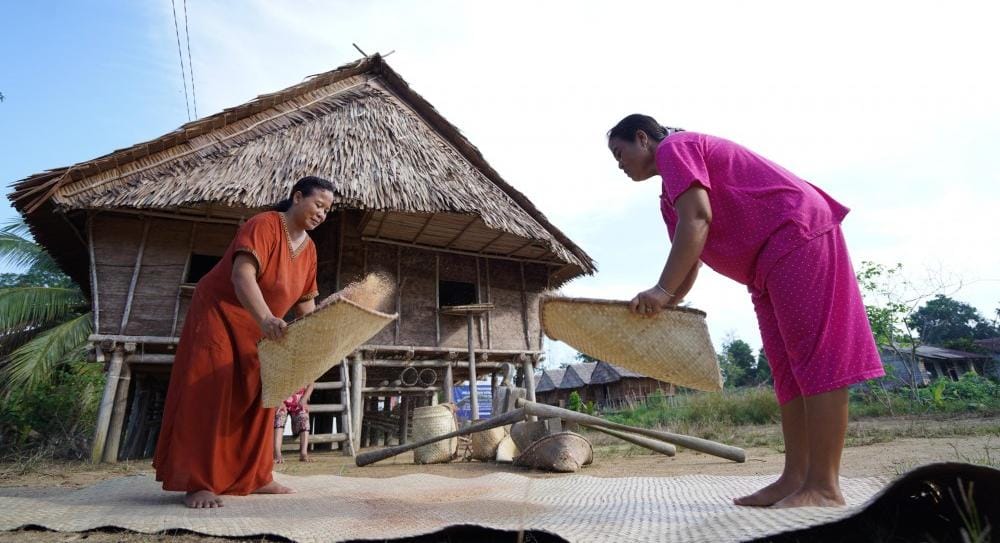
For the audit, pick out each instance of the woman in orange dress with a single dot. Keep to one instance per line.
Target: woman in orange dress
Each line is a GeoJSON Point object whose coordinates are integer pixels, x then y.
{"type": "Point", "coordinates": [216, 438]}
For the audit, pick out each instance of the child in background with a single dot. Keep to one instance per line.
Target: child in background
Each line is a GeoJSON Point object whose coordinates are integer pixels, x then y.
{"type": "Point", "coordinates": [295, 406]}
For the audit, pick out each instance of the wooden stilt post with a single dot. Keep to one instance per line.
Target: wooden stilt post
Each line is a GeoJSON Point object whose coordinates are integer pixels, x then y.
{"type": "Point", "coordinates": [473, 399]}
{"type": "Point", "coordinates": [107, 404]}
{"type": "Point", "coordinates": [95, 303]}
{"type": "Point", "coordinates": [110, 455]}
{"type": "Point", "coordinates": [347, 414]}
{"type": "Point", "coordinates": [357, 398]}
{"type": "Point", "coordinates": [449, 382]}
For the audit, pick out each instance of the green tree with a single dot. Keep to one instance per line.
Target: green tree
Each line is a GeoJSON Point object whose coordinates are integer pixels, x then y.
{"type": "Point", "coordinates": [737, 362]}
{"type": "Point", "coordinates": [44, 317]}
{"type": "Point", "coordinates": [586, 358]}
{"type": "Point", "coordinates": [762, 372]}
{"type": "Point", "coordinates": [943, 321]}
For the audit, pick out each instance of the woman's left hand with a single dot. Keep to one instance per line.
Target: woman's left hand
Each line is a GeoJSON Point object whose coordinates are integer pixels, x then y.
{"type": "Point", "coordinates": [650, 302]}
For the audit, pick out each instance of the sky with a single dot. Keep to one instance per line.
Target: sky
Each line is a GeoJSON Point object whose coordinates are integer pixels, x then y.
{"type": "Point", "coordinates": [891, 107]}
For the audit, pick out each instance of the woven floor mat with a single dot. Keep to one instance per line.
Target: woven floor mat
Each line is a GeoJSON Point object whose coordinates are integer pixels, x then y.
{"type": "Point", "coordinates": [330, 508]}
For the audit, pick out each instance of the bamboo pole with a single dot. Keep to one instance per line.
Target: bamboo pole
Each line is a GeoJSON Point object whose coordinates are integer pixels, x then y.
{"type": "Point", "coordinates": [135, 277]}
{"type": "Point", "coordinates": [107, 404]}
{"type": "Point", "coordinates": [110, 455]}
{"type": "Point", "coordinates": [458, 251]}
{"type": "Point", "coordinates": [489, 300]}
{"type": "Point", "coordinates": [399, 293]}
{"type": "Point", "coordinates": [95, 302]}
{"type": "Point", "coordinates": [340, 248]}
{"type": "Point", "coordinates": [184, 274]}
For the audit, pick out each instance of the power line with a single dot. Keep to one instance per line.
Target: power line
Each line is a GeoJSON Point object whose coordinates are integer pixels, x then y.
{"type": "Point", "coordinates": [187, 35]}
{"type": "Point", "coordinates": [181, 57]}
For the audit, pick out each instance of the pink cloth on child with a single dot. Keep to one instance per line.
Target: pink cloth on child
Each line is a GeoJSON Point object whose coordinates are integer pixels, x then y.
{"type": "Point", "coordinates": [294, 402]}
{"type": "Point", "coordinates": [761, 214]}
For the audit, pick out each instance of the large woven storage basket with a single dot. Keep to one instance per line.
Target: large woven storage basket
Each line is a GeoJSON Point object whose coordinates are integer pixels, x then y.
{"type": "Point", "coordinates": [673, 346]}
{"type": "Point", "coordinates": [483, 445]}
{"type": "Point", "coordinates": [316, 342]}
{"type": "Point", "coordinates": [431, 421]}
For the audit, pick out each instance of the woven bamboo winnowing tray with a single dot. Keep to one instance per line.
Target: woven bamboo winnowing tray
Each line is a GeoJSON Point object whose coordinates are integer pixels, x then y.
{"type": "Point", "coordinates": [673, 346]}
{"type": "Point", "coordinates": [316, 342]}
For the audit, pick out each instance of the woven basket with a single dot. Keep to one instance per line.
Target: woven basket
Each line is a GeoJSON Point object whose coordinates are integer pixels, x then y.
{"type": "Point", "coordinates": [320, 340]}
{"type": "Point", "coordinates": [431, 421]}
{"type": "Point", "coordinates": [672, 346]}
{"type": "Point", "coordinates": [484, 444]}
{"type": "Point", "coordinates": [564, 452]}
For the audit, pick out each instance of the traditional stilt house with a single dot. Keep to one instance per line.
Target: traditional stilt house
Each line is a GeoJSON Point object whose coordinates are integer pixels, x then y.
{"type": "Point", "coordinates": [577, 379]}
{"type": "Point", "coordinates": [415, 200]}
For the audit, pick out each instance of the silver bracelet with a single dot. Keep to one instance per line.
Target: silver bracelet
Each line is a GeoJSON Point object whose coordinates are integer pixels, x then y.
{"type": "Point", "coordinates": [665, 291]}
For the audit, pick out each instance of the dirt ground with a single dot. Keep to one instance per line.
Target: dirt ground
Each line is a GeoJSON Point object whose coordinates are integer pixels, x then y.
{"type": "Point", "coordinates": [875, 452]}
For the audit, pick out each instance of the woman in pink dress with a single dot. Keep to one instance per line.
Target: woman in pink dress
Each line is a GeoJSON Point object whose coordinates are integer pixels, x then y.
{"type": "Point", "coordinates": [757, 223]}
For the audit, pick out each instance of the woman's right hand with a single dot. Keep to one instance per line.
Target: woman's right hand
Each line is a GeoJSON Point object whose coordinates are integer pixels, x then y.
{"type": "Point", "coordinates": [273, 327]}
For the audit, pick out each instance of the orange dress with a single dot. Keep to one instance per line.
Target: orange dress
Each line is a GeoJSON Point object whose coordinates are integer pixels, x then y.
{"type": "Point", "coordinates": [215, 435]}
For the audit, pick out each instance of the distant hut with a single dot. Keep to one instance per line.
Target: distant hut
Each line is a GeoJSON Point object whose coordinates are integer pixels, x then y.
{"type": "Point", "coordinates": [577, 379]}
{"type": "Point", "coordinates": [414, 199]}
{"type": "Point", "coordinates": [933, 363]}
{"type": "Point", "coordinates": [547, 387]}
{"type": "Point", "coordinates": [614, 386]}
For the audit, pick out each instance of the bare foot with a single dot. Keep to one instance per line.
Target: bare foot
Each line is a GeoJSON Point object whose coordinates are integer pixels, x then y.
{"type": "Point", "coordinates": [274, 487]}
{"type": "Point", "coordinates": [278, 459]}
{"type": "Point", "coordinates": [305, 458]}
{"type": "Point", "coordinates": [202, 499]}
{"type": "Point", "coordinates": [813, 497]}
{"type": "Point", "coordinates": [770, 494]}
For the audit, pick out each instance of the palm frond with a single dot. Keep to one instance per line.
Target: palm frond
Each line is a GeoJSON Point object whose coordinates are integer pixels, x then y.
{"type": "Point", "coordinates": [18, 249]}
{"type": "Point", "coordinates": [32, 363]}
{"type": "Point", "coordinates": [36, 306]}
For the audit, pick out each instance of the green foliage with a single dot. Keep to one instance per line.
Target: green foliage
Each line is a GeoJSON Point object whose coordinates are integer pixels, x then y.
{"type": "Point", "coordinates": [733, 407]}
{"type": "Point", "coordinates": [574, 403]}
{"type": "Point", "coordinates": [942, 320]}
{"type": "Point", "coordinates": [57, 417]}
{"type": "Point", "coordinates": [740, 368]}
{"type": "Point", "coordinates": [48, 393]}
{"type": "Point", "coordinates": [586, 358]}
{"type": "Point", "coordinates": [971, 393]}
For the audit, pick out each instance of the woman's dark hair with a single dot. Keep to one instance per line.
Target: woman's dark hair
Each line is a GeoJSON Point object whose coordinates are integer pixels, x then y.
{"type": "Point", "coordinates": [306, 185]}
{"type": "Point", "coordinates": [627, 128]}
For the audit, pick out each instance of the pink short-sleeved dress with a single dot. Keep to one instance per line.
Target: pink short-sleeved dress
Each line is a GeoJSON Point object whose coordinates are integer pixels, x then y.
{"type": "Point", "coordinates": [780, 236]}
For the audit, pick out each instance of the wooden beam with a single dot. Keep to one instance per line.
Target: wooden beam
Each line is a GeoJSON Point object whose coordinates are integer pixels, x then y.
{"type": "Point", "coordinates": [164, 340]}
{"type": "Point", "coordinates": [459, 251]}
{"type": "Point", "coordinates": [381, 223]}
{"type": "Point", "coordinates": [365, 219]}
{"type": "Point", "coordinates": [383, 391]}
{"type": "Point", "coordinates": [95, 302]}
{"type": "Point", "coordinates": [107, 404]}
{"type": "Point", "coordinates": [184, 274]}
{"type": "Point", "coordinates": [462, 232]}
{"type": "Point", "coordinates": [135, 277]}
{"type": "Point", "coordinates": [519, 249]}
{"type": "Point", "coordinates": [423, 227]}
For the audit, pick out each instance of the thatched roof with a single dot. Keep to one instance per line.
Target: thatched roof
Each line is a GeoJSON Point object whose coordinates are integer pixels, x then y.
{"type": "Point", "coordinates": [550, 380]}
{"type": "Point", "coordinates": [604, 372]}
{"type": "Point", "coordinates": [577, 375]}
{"type": "Point", "coordinates": [387, 150]}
